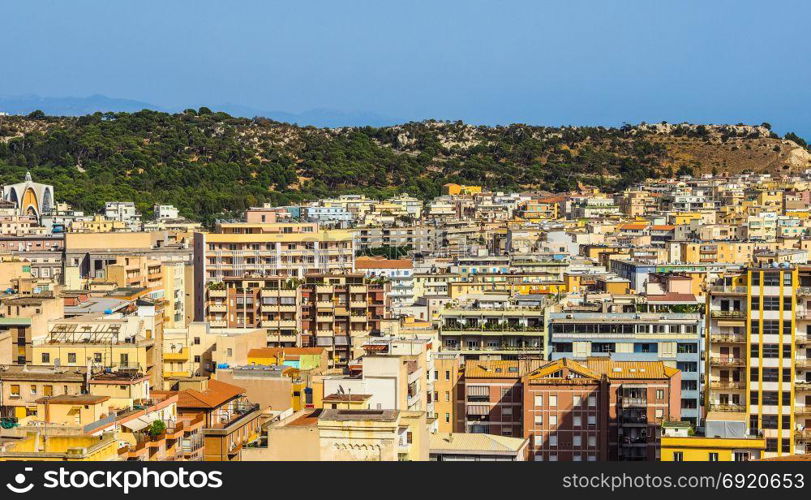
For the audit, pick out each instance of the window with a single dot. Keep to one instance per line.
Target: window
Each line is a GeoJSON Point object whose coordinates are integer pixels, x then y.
{"type": "Point", "coordinates": [447, 418]}
{"type": "Point", "coordinates": [577, 421]}
{"type": "Point", "coordinates": [592, 401]}
{"type": "Point", "coordinates": [46, 357]}
{"type": "Point", "coordinates": [577, 440]}
{"type": "Point", "coordinates": [97, 357]}
{"type": "Point", "coordinates": [197, 359]}
{"type": "Point", "coordinates": [553, 401]}
{"type": "Point", "coordinates": [771, 279]}
{"type": "Point", "coordinates": [124, 360]}
{"type": "Point", "coordinates": [33, 390]}
{"type": "Point", "coordinates": [592, 441]}
{"type": "Point", "coordinates": [592, 420]}
{"type": "Point", "coordinates": [771, 350]}
{"type": "Point", "coordinates": [678, 456]}
{"type": "Point", "coordinates": [660, 394]}
{"type": "Point", "coordinates": [553, 420]}
{"type": "Point", "coordinates": [577, 401]}
{"type": "Point", "coordinates": [660, 413]}
{"type": "Point", "coordinates": [196, 340]}
{"type": "Point", "coordinates": [15, 391]}
{"type": "Point", "coordinates": [447, 374]}
{"type": "Point", "coordinates": [538, 419]}
{"type": "Point", "coordinates": [71, 357]}
{"type": "Point", "coordinates": [577, 457]}
{"type": "Point", "coordinates": [553, 440]}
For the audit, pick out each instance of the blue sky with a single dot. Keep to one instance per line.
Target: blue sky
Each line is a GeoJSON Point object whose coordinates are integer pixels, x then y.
{"type": "Point", "coordinates": [492, 62]}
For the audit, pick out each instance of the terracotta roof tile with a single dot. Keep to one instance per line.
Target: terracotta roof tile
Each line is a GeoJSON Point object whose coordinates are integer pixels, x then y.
{"type": "Point", "coordinates": [216, 394]}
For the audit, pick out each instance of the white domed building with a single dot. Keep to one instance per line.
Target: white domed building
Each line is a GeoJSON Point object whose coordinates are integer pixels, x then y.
{"type": "Point", "coordinates": [31, 198]}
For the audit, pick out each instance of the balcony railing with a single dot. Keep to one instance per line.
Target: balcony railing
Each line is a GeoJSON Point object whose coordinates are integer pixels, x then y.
{"type": "Point", "coordinates": [728, 338]}
{"type": "Point", "coordinates": [727, 384]}
{"type": "Point", "coordinates": [729, 289]}
{"type": "Point", "coordinates": [629, 401]}
{"type": "Point", "coordinates": [728, 407]}
{"type": "Point", "coordinates": [728, 314]}
{"type": "Point", "coordinates": [726, 361]}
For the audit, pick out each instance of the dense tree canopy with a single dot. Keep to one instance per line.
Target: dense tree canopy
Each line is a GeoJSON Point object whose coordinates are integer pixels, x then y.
{"type": "Point", "coordinates": [210, 164]}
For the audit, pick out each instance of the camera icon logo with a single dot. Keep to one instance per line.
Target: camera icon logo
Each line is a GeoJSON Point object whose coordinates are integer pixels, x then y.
{"type": "Point", "coordinates": [20, 480]}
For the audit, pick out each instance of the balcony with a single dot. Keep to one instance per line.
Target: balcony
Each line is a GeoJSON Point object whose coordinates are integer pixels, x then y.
{"type": "Point", "coordinates": [227, 416]}
{"type": "Point", "coordinates": [728, 361]}
{"type": "Point", "coordinates": [802, 385]}
{"type": "Point", "coordinates": [217, 293]}
{"type": "Point", "coordinates": [727, 338]}
{"type": "Point", "coordinates": [739, 315]}
{"type": "Point", "coordinates": [217, 308]}
{"type": "Point", "coordinates": [218, 323]}
{"type": "Point", "coordinates": [629, 402]}
{"type": "Point", "coordinates": [804, 363]}
{"type": "Point", "coordinates": [277, 323]}
{"type": "Point", "coordinates": [802, 340]}
{"type": "Point", "coordinates": [179, 356]}
{"type": "Point", "coordinates": [729, 290]}
{"type": "Point", "coordinates": [804, 291]}
{"type": "Point", "coordinates": [727, 384]}
{"type": "Point", "coordinates": [802, 411]}
{"type": "Point", "coordinates": [728, 407]}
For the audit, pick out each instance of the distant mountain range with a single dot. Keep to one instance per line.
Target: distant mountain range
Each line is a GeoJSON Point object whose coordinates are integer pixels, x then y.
{"type": "Point", "coordinates": [77, 106]}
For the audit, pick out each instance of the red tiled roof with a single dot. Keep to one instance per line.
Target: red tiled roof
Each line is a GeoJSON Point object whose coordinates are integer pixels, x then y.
{"type": "Point", "coordinates": [216, 394]}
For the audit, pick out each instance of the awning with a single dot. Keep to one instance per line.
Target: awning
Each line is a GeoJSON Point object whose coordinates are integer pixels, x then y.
{"type": "Point", "coordinates": [478, 410]}
{"type": "Point", "coordinates": [478, 390]}
{"type": "Point", "coordinates": [136, 424]}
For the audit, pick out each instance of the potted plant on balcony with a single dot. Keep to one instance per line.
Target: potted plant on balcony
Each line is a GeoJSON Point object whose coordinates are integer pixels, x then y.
{"type": "Point", "coordinates": [156, 428]}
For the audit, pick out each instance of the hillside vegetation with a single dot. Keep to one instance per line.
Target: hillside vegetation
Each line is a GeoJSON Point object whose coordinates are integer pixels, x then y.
{"type": "Point", "coordinates": [209, 164]}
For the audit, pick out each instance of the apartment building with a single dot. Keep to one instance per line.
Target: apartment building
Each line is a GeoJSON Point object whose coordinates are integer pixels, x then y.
{"type": "Point", "coordinates": [22, 385]}
{"type": "Point", "coordinates": [260, 250]}
{"type": "Point", "coordinates": [501, 332]}
{"type": "Point", "coordinates": [757, 346]}
{"type": "Point", "coordinates": [449, 392]}
{"type": "Point", "coordinates": [340, 311]}
{"type": "Point", "coordinates": [493, 396]}
{"type": "Point", "coordinates": [253, 301]}
{"type": "Point", "coordinates": [394, 374]}
{"type": "Point", "coordinates": [229, 420]}
{"type": "Point", "coordinates": [101, 341]}
{"type": "Point", "coordinates": [672, 338]}
{"type": "Point", "coordinates": [599, 409]}
{"type": "Point", "coordinates": [400, 273]}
